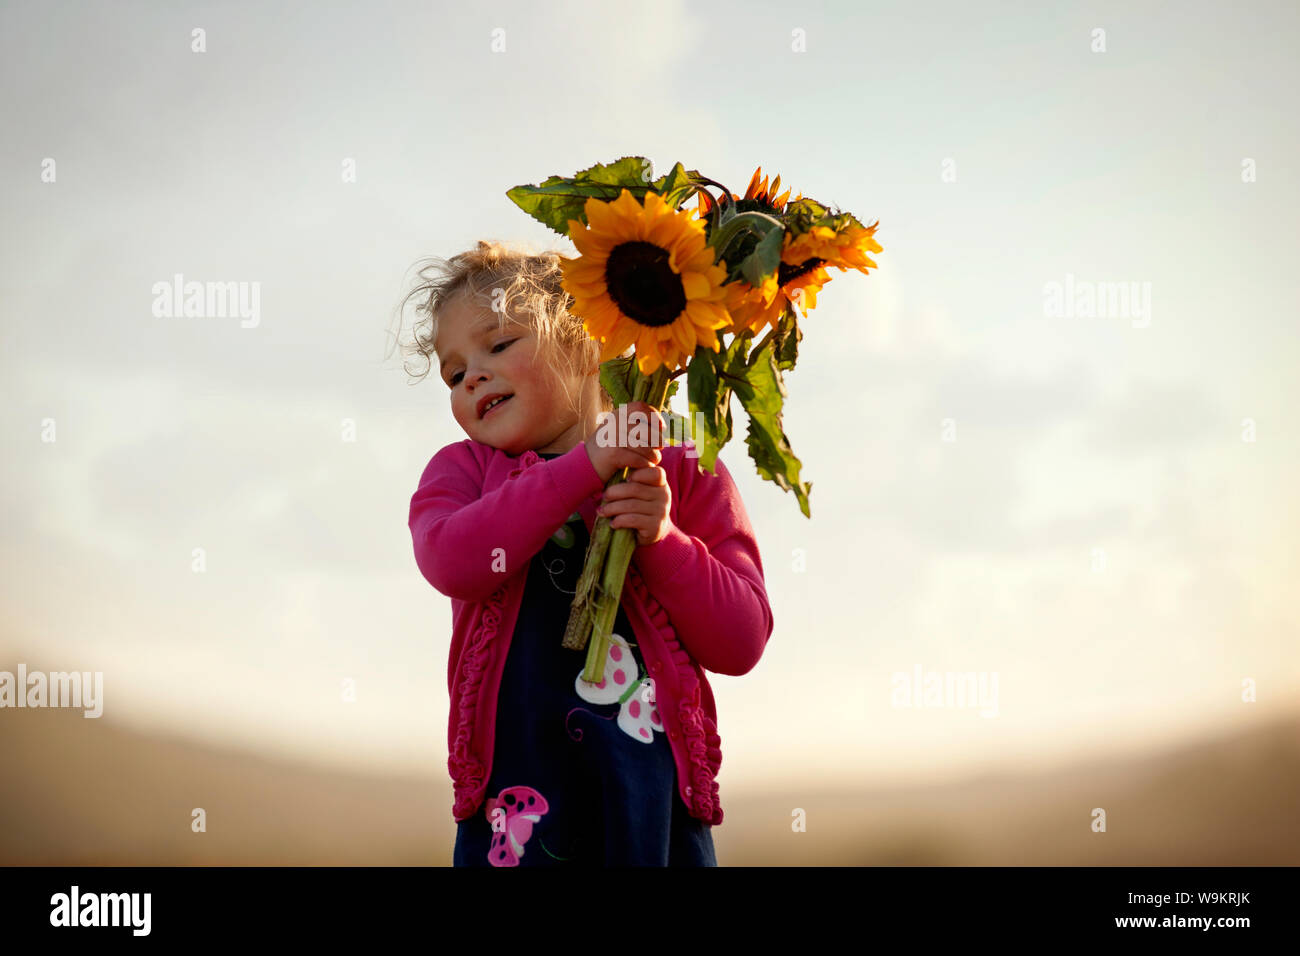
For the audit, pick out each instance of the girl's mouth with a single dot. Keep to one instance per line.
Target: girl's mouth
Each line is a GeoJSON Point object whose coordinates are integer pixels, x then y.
{"type": "Point", "coordinates": [497, 405]}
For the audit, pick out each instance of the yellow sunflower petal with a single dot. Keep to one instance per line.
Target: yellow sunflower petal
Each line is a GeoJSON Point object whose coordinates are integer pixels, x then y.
{"type": "Point", "coordinates": [696, 285]}
{"type": "Point", "coordinates": [599, 215]}
{"type": "Point", "coordinates": [684, 338]}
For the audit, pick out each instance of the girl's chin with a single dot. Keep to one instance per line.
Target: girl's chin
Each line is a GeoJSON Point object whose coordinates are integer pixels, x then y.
{"type": "Point", "coordinates": [504, 440]}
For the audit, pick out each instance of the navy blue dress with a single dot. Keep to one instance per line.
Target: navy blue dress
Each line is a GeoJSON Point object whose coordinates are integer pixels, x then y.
{"type": "Point", "coordinates": [581, 774]}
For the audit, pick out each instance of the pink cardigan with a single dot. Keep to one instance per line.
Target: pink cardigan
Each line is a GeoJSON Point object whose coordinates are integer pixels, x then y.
{"type": "Point", "coordinates": [696, 598]}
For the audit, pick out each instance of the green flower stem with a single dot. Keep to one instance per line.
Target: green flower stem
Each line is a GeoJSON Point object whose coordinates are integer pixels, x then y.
{"type": "Point", "coordinates": [607, 600]}
{"type": "Point", "coordinates": [578, 629]}
{"type": "Point", "coordinates": [601, 608]}
{"type": "Point", "coordinates": [752, 221]}
{"type": "Point", "coordinates": [635, 686]}
{"type": "Point", "coordinates": [586, 594]}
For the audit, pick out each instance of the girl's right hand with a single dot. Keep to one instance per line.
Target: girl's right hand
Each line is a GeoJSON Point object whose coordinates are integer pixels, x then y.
{"type": "Point", "coordinates": [627, 453]}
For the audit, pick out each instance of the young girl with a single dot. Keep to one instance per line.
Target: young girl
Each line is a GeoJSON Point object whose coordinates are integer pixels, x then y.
{"type": "Point", "coordinates": [547, 769]}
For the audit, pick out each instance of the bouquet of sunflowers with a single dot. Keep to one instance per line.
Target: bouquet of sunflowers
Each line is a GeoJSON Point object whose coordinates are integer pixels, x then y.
{"type": "Point", "coordinates": [676, 284]}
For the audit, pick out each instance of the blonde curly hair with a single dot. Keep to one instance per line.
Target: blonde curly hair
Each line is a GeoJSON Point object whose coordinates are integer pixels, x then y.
{"type": "Point", "coordinates": [517, 284]}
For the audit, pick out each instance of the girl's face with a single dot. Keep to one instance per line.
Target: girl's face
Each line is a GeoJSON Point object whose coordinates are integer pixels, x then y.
{"type": "Point", "coordinates": [481, 360]}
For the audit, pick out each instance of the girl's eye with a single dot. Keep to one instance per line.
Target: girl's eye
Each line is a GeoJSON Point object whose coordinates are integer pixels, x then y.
{"type": "Point", "coordinates": [500, 345]}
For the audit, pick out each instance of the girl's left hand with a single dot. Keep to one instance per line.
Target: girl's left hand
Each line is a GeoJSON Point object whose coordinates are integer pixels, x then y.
{"type": "Point", "coordinates": [641, 502]}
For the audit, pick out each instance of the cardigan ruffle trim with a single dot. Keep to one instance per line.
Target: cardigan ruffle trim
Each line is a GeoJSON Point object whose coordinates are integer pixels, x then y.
{"type": "Point", "coordinates": [704, 746]}
{"type": "Point", "coordinates": [467, 772]}
{"type": "Point", "coordinates": [529, 457]}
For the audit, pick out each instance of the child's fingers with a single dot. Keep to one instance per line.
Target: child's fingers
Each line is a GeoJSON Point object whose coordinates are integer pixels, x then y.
{"type": "Point", "coordinates": [651, 475]}
{"type": "Point", "coordinates": [632, 504]}
{"type": "Point", "coordinates": [636, 458]}
{"type": "Point", "coordinates": [623, 504]}
{"type": "Point", "coordinates": [628, 506]}
{"type": "Point", "coordinates": [648, 528]}
{"type": "Point", "coordinates": [645, 485]}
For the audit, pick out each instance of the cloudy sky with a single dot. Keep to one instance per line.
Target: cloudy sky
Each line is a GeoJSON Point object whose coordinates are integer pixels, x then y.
{"type": "Point", "coordinates": [1070, 502]}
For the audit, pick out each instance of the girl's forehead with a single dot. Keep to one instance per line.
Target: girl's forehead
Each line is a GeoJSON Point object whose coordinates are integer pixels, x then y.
{"type": "Point", "coordinates": [478, 309]}
{"type": "Point", "coordinates": [464, 307]}
{"type": "Point", "coordinates": [461, 317]}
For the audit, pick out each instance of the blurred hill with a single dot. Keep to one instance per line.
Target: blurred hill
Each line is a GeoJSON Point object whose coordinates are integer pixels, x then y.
{"type": "Point", "coordinates": [85, 792]}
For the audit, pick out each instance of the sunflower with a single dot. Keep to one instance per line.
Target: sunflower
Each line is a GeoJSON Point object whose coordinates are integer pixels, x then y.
{"type": "Point", "coordinates": [845, 250]}
{"type": "Point", "coordinates": [757, 308]}
{"type": "Point", "coordinates": [645, 277]}
{"type": "Point", "coordinates": [759, 191]}
{"type": "Point", "coordinates": [758, 195]}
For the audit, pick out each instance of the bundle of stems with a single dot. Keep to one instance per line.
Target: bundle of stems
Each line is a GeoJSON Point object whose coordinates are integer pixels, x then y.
{"type": "Point", "coordinates": [609, 554]}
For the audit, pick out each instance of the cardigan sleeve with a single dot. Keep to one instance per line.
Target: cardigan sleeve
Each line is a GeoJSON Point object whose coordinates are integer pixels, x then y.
{"type": "Point", "coordinates": [707, 572]}
{"type": "Point", "coordinates": [468, 543]}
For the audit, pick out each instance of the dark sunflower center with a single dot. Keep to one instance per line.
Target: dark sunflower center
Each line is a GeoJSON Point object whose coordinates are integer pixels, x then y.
{"type": "Point", "coordinates": [643, 285]}
{"type": "Point", "coordinates": [786, 273]}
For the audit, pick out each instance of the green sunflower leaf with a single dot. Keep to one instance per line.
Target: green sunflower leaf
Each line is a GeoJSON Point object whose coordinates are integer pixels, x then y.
{"type": "Point", "coordinates": [709, 381]}
{"type": "Point", "coordinates": [764, 260]}
{"type": "Point", "coordinates": [762, 394]}
{"type": "Point", "coordinates": [678, 427]}
{"type": "Point", "coordinates": [672, 390]}
{"type": "Point", "coordinates": [800, 215]}
{"type": "Point", "coordinates": [561, 198]}
{"type": "Point", "coordinates": [618, 377]}
{"type": "Point", "coordinates": [803, 215]}
{"type": "Point", "coordinates": [787, 338]}
{"type": "Point", "coordinates": [677, 185]}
